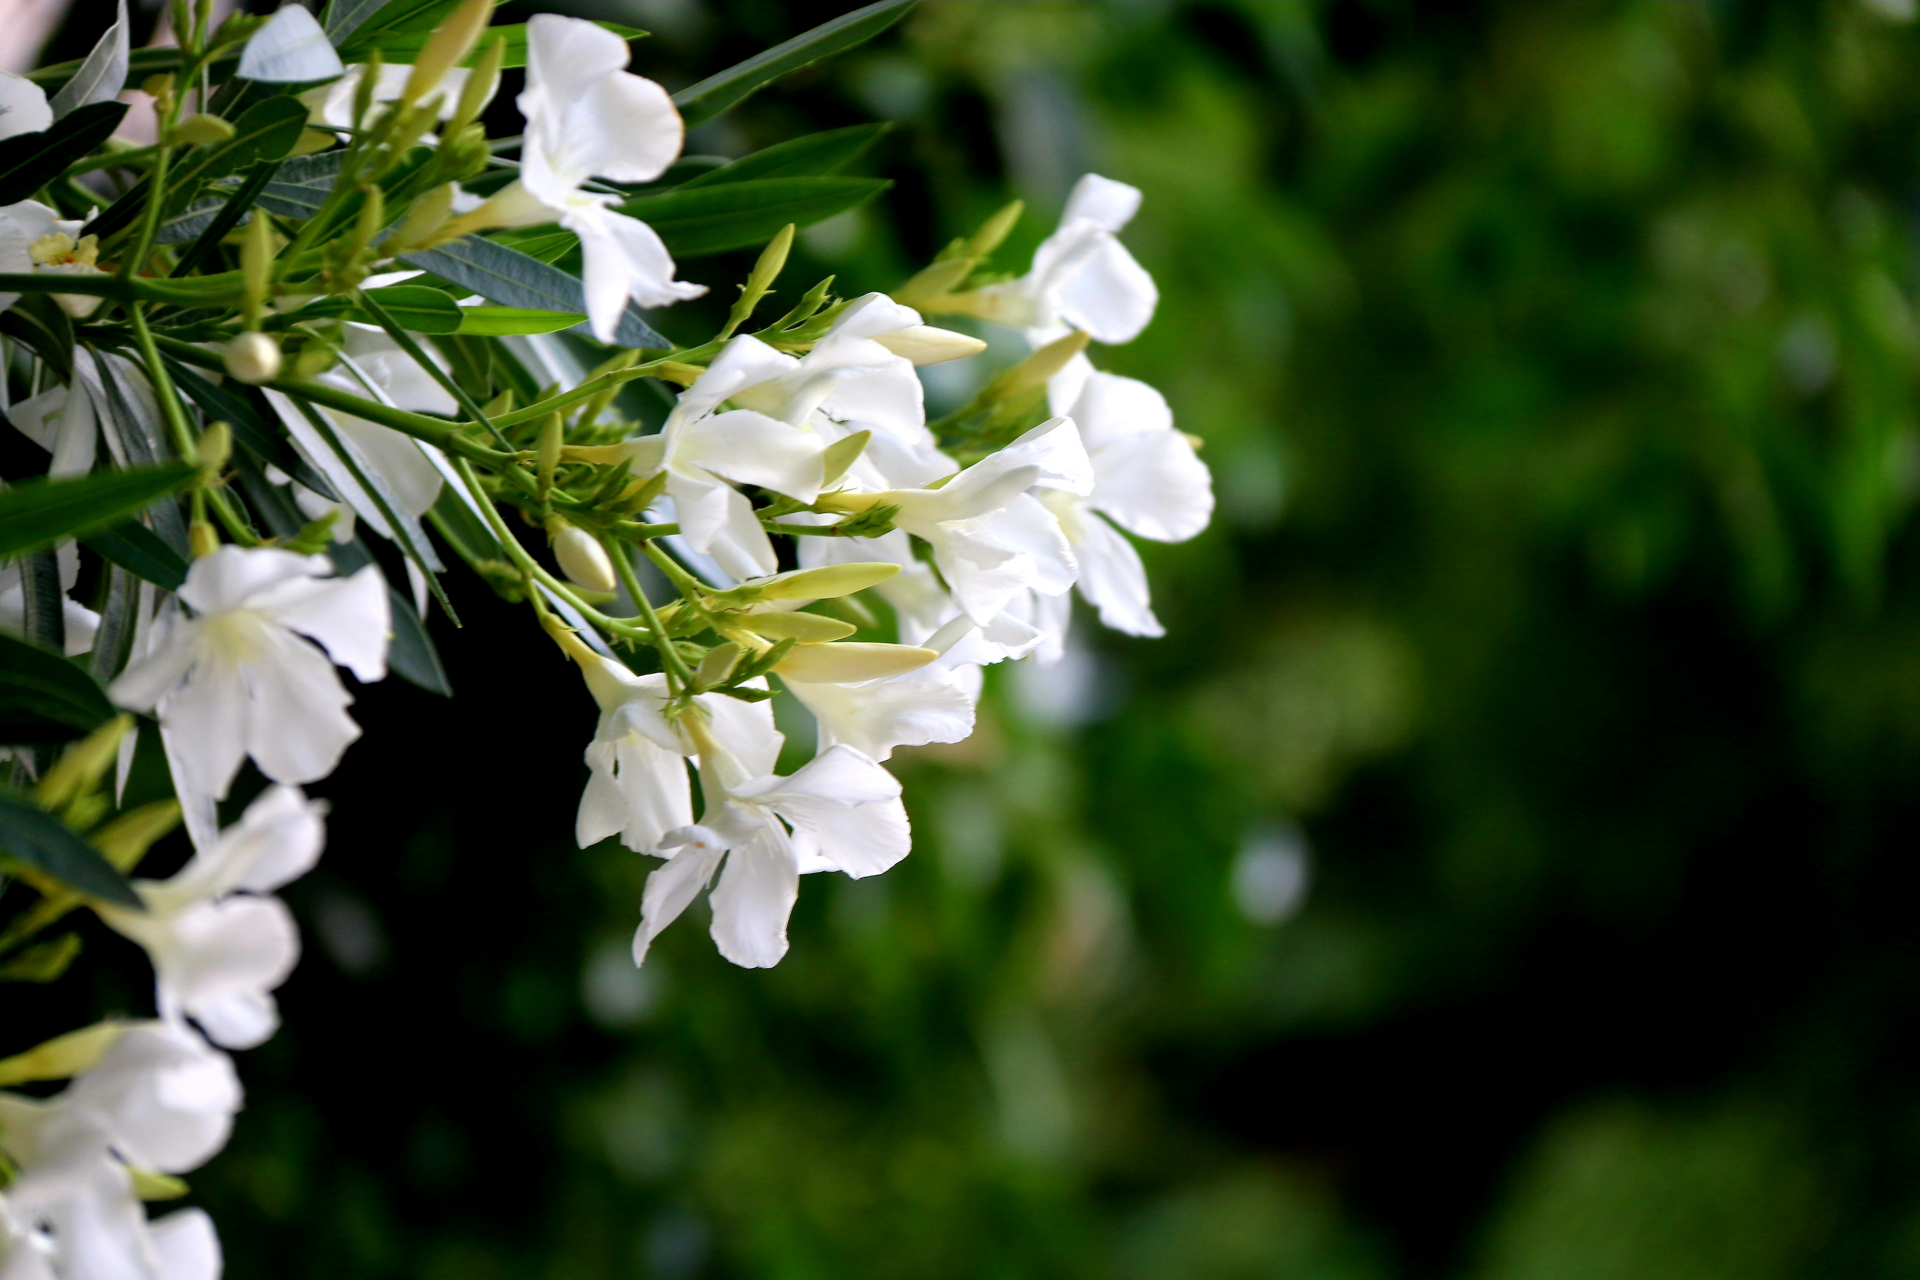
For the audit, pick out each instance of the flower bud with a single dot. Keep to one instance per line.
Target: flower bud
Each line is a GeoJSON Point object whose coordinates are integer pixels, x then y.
{"type": "Point", "coordinates": [924, 344]}
{"type": "Point", "coordinates": [201, 539]}
{"type": "Point", "coordinates": [253, 358]}
{"type": "Point", "coordinates": [216, 446]}
{"type": "Point", "coordinates": [82, 764]}
{"type": "Point", "coordinates": [851, 663]}
{"type": "Point", "coordinates": [480, 86]}
{"type": "Point", "coordinates": [582, 559]}
{"type": "Point", "coordinates": [808, 628]}
{"type": "Point", "coordinates": [428, 215]}
{"type": "Point", "coordinates": [718, 665]}
{"type": "Point", "coordinates": [825, 582]}
{"type": "Point", "coordinates": [200, 129]}
{"type": "Point", "coordinates": [995, 229]}
{"type": "Point", "coordinates": [552, 437]}
{"type": "Point", "coordinates": [61, 1057]}
{"type": "Point", "coordinates": [446, 47]}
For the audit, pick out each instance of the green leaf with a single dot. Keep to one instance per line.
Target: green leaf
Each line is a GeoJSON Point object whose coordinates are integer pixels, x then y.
{"type": "Point", "coordinates": [817, 155]}
{"type": "Point", "coordinates": [28, 161]}
{"type": "Point", "coordinates": [37, 512]}
{"type": "Point", "coordinates": [417, 308]}
{"type": "Point", "coordinates": [411, 653]}
{"type": "Point", "coordinates": [265, 131]}
{"type": "Point", "coordinates": [38, 321]}
{"type": "Point", "coordinates": [387, 28]}
{"type": "Point", "coordinates": [513, 279]}
{"type": "Point", "coordinates": [32, 836]}
{"type": "Point", "coordinates": [141, 552]}
{"type": "Point", "coordinates": [44, 697]}
{"type": "Point", "coordinates": [264, 438]}
{"type": "Point", "coordinates": [501, 322]}
{"type": "Point", "coordinates": [735, 215]}
{"type": "Point", "coordinates": [716, 93]}
{"type": "Point", "coordinates": [406, 48]}
{"type": "Point", "coordinates": [232, 210]}
{"type": "Point", "coordinates": [42, 962]}
{"type": "Point", "coordinates": [301, 185]}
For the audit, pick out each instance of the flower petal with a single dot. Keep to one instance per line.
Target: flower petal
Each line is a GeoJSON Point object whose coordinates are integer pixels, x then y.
{"type": "Point", "coordinates": [1154, 486]}
{"type": "Point", "coordinates": [295, 714]}
{"type": "Point", "coordinates": [695, 852]}
{"type": "Point", "coordinates": [753, 900]}
{"type": "Point", "coordinates": [350, 616]}
{"type": "Point", "coordinates": [624, 128]}
{"type": "Point", "coordinates": [751, 448]}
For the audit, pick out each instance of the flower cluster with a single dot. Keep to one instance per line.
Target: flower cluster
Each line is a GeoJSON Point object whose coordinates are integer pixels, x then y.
{"type": "Point", "coordinates": [317, 352]}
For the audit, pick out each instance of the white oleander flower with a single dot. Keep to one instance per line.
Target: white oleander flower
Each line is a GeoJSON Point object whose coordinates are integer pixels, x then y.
{"type": "Point", "coordinates": [1147, 479]}
{"type": "Point", "coordinates": [250, 673]}
{"type": "Point", "coordinates": [587, 117]}
{"type": "Point", "coordinates": [35, 240]}
{"type": "Point", "coordinates": [705, 453]}
{"type": "Point", "coordinates": [638, 787]}
{"type": "Point", "coordinates": [218, 942]}
{"type": "Point", "coordinates": [932, 703]}
{"type": "Point", "coordinates": [79, 623]}
{"type": "Point", "coordinates": [1082, 276]}
{"type": "Point", "coordinates": [332, 104]}
{"type": "Point", "coordinates": [839, 812]}
{"type": "Point", "coordinates": [990, 538]}
{"type": "Point", "coordinates": [163, 1098]}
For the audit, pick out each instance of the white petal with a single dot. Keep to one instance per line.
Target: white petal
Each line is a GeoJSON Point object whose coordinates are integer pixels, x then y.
{"type": "Point", "coordinates": [753, 900]}
{"type": "Point", "coordinates": [296, 721]}
{"type": "Point", "coordinates": [695, 852]}
{"type": "Point", "coordinates": [1108, 204]}
{"type": "Point", "coordinates": [1110, 408]}
{"type": "Point", "coordinates": [350, 616]}
{"type": "Point", "coordinates": [653, 794]}
{"type": "Point", "coordinates": [625, 129]}
{"type": "Point", "coordinates": [565, 56]}
{"type": "Point", "coordinates": [232, 576]}
{"type": "Point", "coordinates": [741, 547]}
{"type": "Point", "coordinates": [1055, 451]}
{"type": "Point", "coordinates": [186, 1246]}
{"type": "Point", "coordinates": [1109, 295]}
{"type": "Point", "coordinates": [148, 679]}
{"type": "Point", "coordinates": [166, 1099]}
{"type": "Point", "coordinates": [1113, 579]}
{"type": "Point", "coordinates": [228, 955]}
{"type": "Point", "coordinates": [873, 314]}
{"type": "Point", "coordinates": [23, 106]}
{"type": "Point", "coordinates": [238, 1019]}
{"type": "Point", "coordinates": [277, 840]}
{"type": "Point", "coordinates": [204, 722]}
{"type": "Point", "coordinates": [744, 362]}
{"type": "Point", "coordinates": [908, 711]}
{"type": "Point", "coordinates": [745, 731]}
{"type": "Point", "coordinates": [751, 448]}
{"type": "Point", "coordinates": [288, 49]}
{"type": "Point", "coordinates": [1154, 486]}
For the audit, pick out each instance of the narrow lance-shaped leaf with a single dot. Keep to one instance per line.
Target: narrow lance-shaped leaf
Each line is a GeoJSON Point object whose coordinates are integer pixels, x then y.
{"type": "Point", "coordinates": [28, 161]}
{"type": "Point", "coordinates": [253, 432]}
{"type": "Point", "coordinates": [44, 697]}
{"type": "Point", "coordinates": [37, 513]}
{"type": "Point", "coordinates": [102, 76]}
{"type": "Point", "coordinates": [513, 279]}
{"type": "Point", "coordinates": [735, 215]}
{"type": "Point", "coordinates": [718, 92]}
{"type": "Point", "coordinates": [817, 155]}
{"type": "Point", "coordinates": [35, 838]}
{"type": "Point", "coordinates": [140, 551]}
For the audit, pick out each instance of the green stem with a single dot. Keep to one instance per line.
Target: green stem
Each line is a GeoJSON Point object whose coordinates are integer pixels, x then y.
{"type": "Point", "coordinates": [585, 391]}
{"type": "Point", "coordinates": [225, 287]}
{"type": "Point", "coordinates": [679, 677]}
{"type": "Point", "coordinates": [156, 196]}
{"type": "Point", "coordinates": [163, 385]}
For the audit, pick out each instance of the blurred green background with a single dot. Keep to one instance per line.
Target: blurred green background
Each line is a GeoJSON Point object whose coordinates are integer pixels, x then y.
{"type": "Point", "coordinates": [1503, 868]}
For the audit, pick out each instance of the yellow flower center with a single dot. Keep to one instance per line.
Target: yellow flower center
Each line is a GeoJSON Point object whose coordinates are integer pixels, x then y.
{"type": "Point", "coordinates": [61, 250]}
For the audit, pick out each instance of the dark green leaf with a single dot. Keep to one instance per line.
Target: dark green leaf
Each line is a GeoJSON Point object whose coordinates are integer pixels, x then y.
{"type": "Point", "coordinates": [38, 512]}
{"type": "Point", "coordinates": [817, 155]}
{"type": "Point", "coordinates": [417, 308]}
{"type": "Point", "coordinates": [735, 215]}
{"type": "Point", "coordinates": [388, 24]}
{"type": "Point", "coordinates": [44, 697]}
{"type": "Point", "coordinates": [38, 321]}
{"type": "Point", "coordinates": [231, 212]}
{"type": "Point", "coordinates": [500, 322]}
{"type": "Point", "coordinates": [28, 161]}
{"type": "Point", "coordinates": [266, 131]}
{"type": "Point", "coordinates": [411, 652]}
{"type": "Point", "coordinates": [716, 93]}
{"type": "Point", "coordinates": [32, 836]}
{"type": "Point", "coordinates": [513, 279]}
{"type": "Point", "coordinates": [301, 185]}
{"type": "Point", "coordinates": [406, 48]}
{"type": "Point", "coordinates": [141, 552]}
{"type": "Point", "coordinates": [263, 437]}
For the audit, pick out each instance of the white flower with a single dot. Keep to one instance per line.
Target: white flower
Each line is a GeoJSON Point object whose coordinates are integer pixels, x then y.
{"type": "Point", "coordinates": [160, 1095]}
{"type": "Point", "coordinates": [23, 106]}
{"type": "Point", "coordinates": [1148, 480]}
{"type": "Point", "coordinates": [1082, 276]}
{"type": "Point", "coordinates": [933, 703]}
{"type": "Point", "coordinates": [34, 239]}
{"type": "Point", "coordinates": [61, 421]}
{"type": "Point", "coordinates": [589, 117]}
{"type": "Point", "coordinates": [702, 451]}
{"type": "Point", "coordinates": [638, 787]}
{"type": "Point", "coordinates": [990, 538]}
{"type": "Point", "coordinates": [332, 104]}
{"type": "Point", "coordinates": [840, 812]}
{"type": "Point", "coordinates": [246, 674]}
{"type": "Point", "coordinates": [219, 946]}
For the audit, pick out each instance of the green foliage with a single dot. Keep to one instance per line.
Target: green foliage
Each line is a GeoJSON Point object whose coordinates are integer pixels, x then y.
{"type": "Point", "coordinates": [37, 513]}
{"type": "Point", "coordinates": [45, 698]}
{"type": "Point", "coordinates": [29, 160]}
{"type": "Point", "coordinates": [32, 838]}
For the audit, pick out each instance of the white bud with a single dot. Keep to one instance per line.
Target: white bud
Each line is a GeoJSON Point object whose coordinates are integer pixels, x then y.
{"type": "Point", "coordinates": [852, 662]}
{"type": "Point", "coordinates": [253, 358]}
{"type": "Point", "coordinates": [924, 344]}
{"type": "Point", "coordinates": [583, 560]}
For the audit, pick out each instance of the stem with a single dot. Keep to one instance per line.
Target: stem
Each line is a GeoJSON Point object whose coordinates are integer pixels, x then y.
{"type": "Point", "coordinates": [163, 385]}
{"type": "Point", "coordinates": [678, 676]}
{"type": "Point", "coordinates": [225, 287]}
{"type": "Point", "coordinates": [434, 431]}
{"type": "Point", "coordinates": [433, 370]}
{"type": "Point", "coordinates": [585, 391]}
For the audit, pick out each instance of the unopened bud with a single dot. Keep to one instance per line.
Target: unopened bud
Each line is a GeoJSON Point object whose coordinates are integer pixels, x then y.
{"type": "Point", "coordinates": [553, 437]}
{"type": "Point", "coordinates": [825, 582]}
{"type": "Point", "coordinates": [995, 229]}
{"type": "Point", "coordinates": [674, 371]}
{"type": "Point", "coordinates": [253, 358]}
{"type": "Point", "coordinates": [446, 48]}
{"type": "Point", "coordinates": [851, 663]}
{"type": "Point", "coordinates": [925, 344]}
{"type": "Point", "coordinates": [201, 539]}
{"type": "Point", "coordinates": [428, 215]}
{"type": "Point", "coordinates": [807, 628]}
{"type": "Point", "coordinates": [841, 454]}
{"type": "Point", "coordinates": [200, 129]}
{"type": "Point", "coordinates": [216, 444]}
{"type": "Point", "coordinates": [256, 264]}
{"type": "Point", "coordinates": [82, 764]}
{"type": "Point", "coordinates": [581, 558]}
{"type": "Point", "coordinates": [480, 85]}
{"type": "Point", "coordinates": [61, 1057]}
